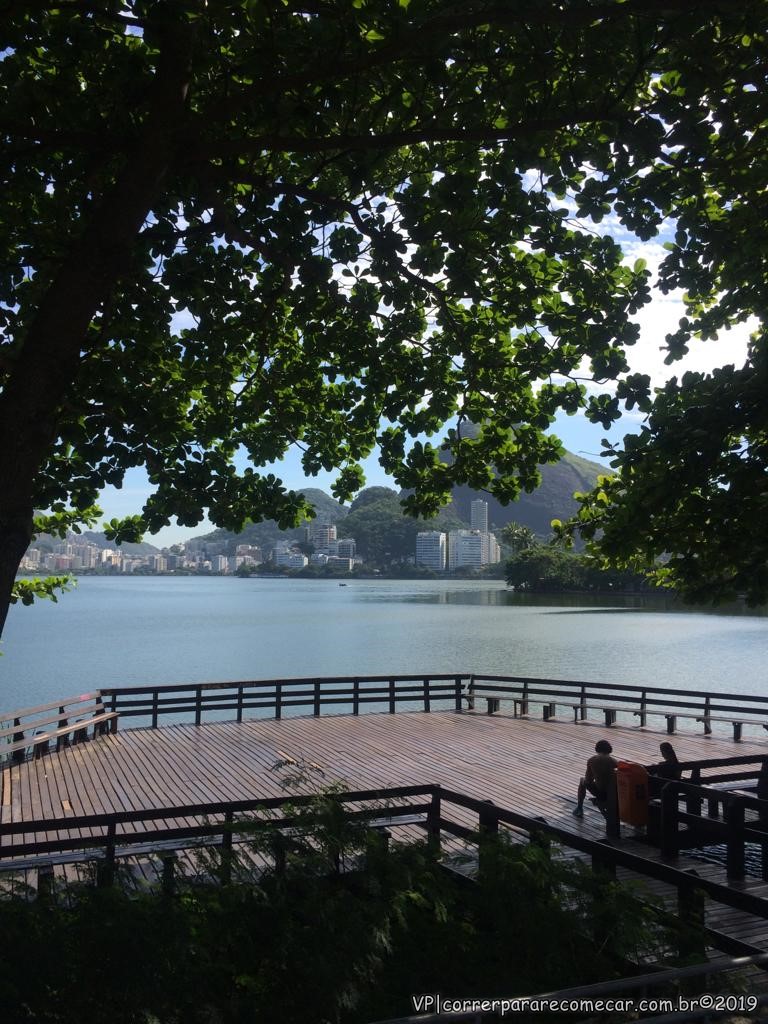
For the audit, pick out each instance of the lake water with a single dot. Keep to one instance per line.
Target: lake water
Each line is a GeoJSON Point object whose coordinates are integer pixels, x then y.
{"type": "Point", "coordinates": [131, 631]}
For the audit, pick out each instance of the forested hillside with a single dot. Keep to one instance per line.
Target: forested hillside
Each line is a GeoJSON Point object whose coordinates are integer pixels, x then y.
{"type": "Point", "coordinates": [552, 500]}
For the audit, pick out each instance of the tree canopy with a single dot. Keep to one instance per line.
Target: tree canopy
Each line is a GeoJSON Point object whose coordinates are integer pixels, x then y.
{"type": "Point", "coordinates": [235, 227]}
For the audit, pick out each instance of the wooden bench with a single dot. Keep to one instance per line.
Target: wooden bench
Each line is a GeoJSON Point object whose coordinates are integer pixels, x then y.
{"type": "Point", "coordinates": [609, 713]}
{"type": "Point", "coordinates": [672, 716]}
{"type": "Point", "coordinates": [736, 723]}
{"type": "Point", "coordinates": [520, 704]}
{"type": "Point", "coordinates": [65, 721]}
{"type": "Point", "coordinates": [493, 701]}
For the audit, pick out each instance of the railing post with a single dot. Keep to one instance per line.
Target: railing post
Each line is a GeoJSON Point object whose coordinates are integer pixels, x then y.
{"type": "Point", "coordinates": [643, 707]}
{"type": "Point", "coordinates": [433, 822]}
{"type": "Point", "coordinates": [488, 827]}
{"type": "Point", "coordinates": [278, 700]}
{"type": "Point", "coordinates": [63, 740]}
{"type": "Point", "coordinates": [45, 883]}
{"type": "Point", "coordinates": [392, 696]}
{"type": "Point", "coordinates": [693, 801]}
{"type": "Point", "coordinates": [198, 705]}
{"type": "Point", "coordinates": [18, 756]}
{"type": "Point", "coordinates": [762, 818]}
{"type": "Point", "coordinates": [583, 704]}
{"type": "Point", "coordinates": [239, 704]}
{"type": "Point", "coordinates": [458, 695]}
{"type": "Point", "coordinates": [734, 852]}
{"type": "Point", "coordinates": [426, 695]}
{"type": "Point", "coordinates": [604, 870]}
{"type": "Point", "coordinates": [670, 821]}
{"type": "Point", "coordinates": [279, 853]}
{"type": "Point", "coordinates": [690, 910]}
{"type": "Point", "coordinates": [105, 871]}
{"type": "Point", "coordinates": [154, 708]}
{"type": "Point", "coordinates": [488, 818]}
{"type": "Point", "coordinates": [226, 848]}
{"type": "Point", "coordinates": [168, 878]}
{"type": "Point", "coordinates": [707, 713]}
{"type": "Point", "coordinates": [355, 696]}
{"type": "Point", "coordinates": [316, 703]}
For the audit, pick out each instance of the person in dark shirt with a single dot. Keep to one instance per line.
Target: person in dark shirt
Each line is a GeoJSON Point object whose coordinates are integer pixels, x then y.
{"type": "Point", "coordinates": [598, 778]}
{"type": "Point", "coordinates": [667, 770]}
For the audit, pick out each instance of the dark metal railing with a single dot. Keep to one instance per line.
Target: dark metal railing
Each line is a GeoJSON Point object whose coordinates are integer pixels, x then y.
{"type": "Point", "coordinates": [108, 836]}
{"type": "Point", "coordinates": [727, 822]}
{"type": "Point", "coordinates": [356, 694]}
{"type": "Point", "coordinates": [150, 705]}
{"type": "Point", "coordinates": [634, 703]}
{"type": "Point", "coordinates": [344, 694]}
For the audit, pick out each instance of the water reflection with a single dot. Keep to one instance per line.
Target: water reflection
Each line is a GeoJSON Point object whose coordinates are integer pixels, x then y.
{"type": "Point", "coordinates": [560, 604]}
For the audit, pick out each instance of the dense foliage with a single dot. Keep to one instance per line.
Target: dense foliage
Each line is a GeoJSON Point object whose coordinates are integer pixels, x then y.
{"type": "Point", "coordinates": [231, 228]}
{"type": "Point", "coordinates": [384, 536]}
{"type": "Point", "coordinates": [316, 945]}
{"type": "Point", "coordinates": [692, 494]}
{"type": "Point", "coordinates": [544, 568]}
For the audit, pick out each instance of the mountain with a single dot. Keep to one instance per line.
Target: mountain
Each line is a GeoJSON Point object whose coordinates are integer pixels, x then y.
{"type": "Point", "coordinates": [46, 542]}
{"type": "Point", "coordinates": [100, 541]}
{"type": "Point", "coordinates": [267, 532]}
{"type": "Point", "coordinates": [553, 499]}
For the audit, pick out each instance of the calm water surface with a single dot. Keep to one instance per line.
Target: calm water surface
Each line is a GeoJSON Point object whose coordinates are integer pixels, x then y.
{"type": "Point", "coordinates": [111, 632]}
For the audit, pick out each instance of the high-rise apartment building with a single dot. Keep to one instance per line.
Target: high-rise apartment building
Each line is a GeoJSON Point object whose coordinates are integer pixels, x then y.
{"type": "Point", "coordinates": [430, 550]}
{"type": "Point", "coordinates": [472, 549]}
{"type": "Point", "coordinates": [478, 515]}
{"type": "Point", "coordinates": [322, 535]}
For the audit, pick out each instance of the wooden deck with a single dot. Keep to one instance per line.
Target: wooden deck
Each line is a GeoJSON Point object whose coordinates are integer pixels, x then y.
{"type": "Point", "coordinates": [526, 765]}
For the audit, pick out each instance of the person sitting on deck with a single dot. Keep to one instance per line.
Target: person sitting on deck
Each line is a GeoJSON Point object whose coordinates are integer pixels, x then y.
{"type": "Point", "coordinates": [598, 778]}
{"type": "Point", "coordinates": [668, 770]}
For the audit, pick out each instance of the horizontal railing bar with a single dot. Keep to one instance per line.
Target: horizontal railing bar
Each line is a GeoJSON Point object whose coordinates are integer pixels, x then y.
{"type": "Point", "coordinates": [205, 698]}
{"type": "Point", "coordinates": [622, 858]}
{"type": "Point", "coordinates": [40, 708]}
{"type": "Point", "coordinates": [607, 853]}
{"type": "Point", "coordinates": [363, 698]}
{"type": "Point", "coordinates": [652, 706]}
{"type": "Point", "coordinates": [304, 680]}
{"type": "Point", "coordinates": [204, 809]}
{"type": "Point", "coordinates": [634, 687]}
{"type": "Point", "coordinates": [201, 831]}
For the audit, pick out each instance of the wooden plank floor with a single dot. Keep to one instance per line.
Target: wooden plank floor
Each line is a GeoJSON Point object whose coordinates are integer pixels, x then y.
{"type": "Point", "coordinates": [526, 765]}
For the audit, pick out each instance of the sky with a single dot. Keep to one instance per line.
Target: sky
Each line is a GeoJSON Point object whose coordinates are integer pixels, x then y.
{"type": "Point", "coordinates": [576, 432]}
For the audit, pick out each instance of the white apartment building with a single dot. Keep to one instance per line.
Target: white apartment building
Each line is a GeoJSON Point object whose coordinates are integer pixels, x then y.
{"type": "Point", "coordinates": [290, 559]}
{"type": "Point", "coordinates": [430, 550]}
{"type": "Point", "coordinates": [345, 548]}
{"type": "Point", "coordinates": [478, 515]}
{"type": "Point", "coordinates": [472, 548]}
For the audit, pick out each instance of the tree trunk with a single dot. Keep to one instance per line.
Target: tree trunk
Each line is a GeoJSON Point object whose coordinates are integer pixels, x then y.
{"type": "Point", "coordinates": [15, 535]}
{"type": "Point", "coordinates": [48, 362]}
